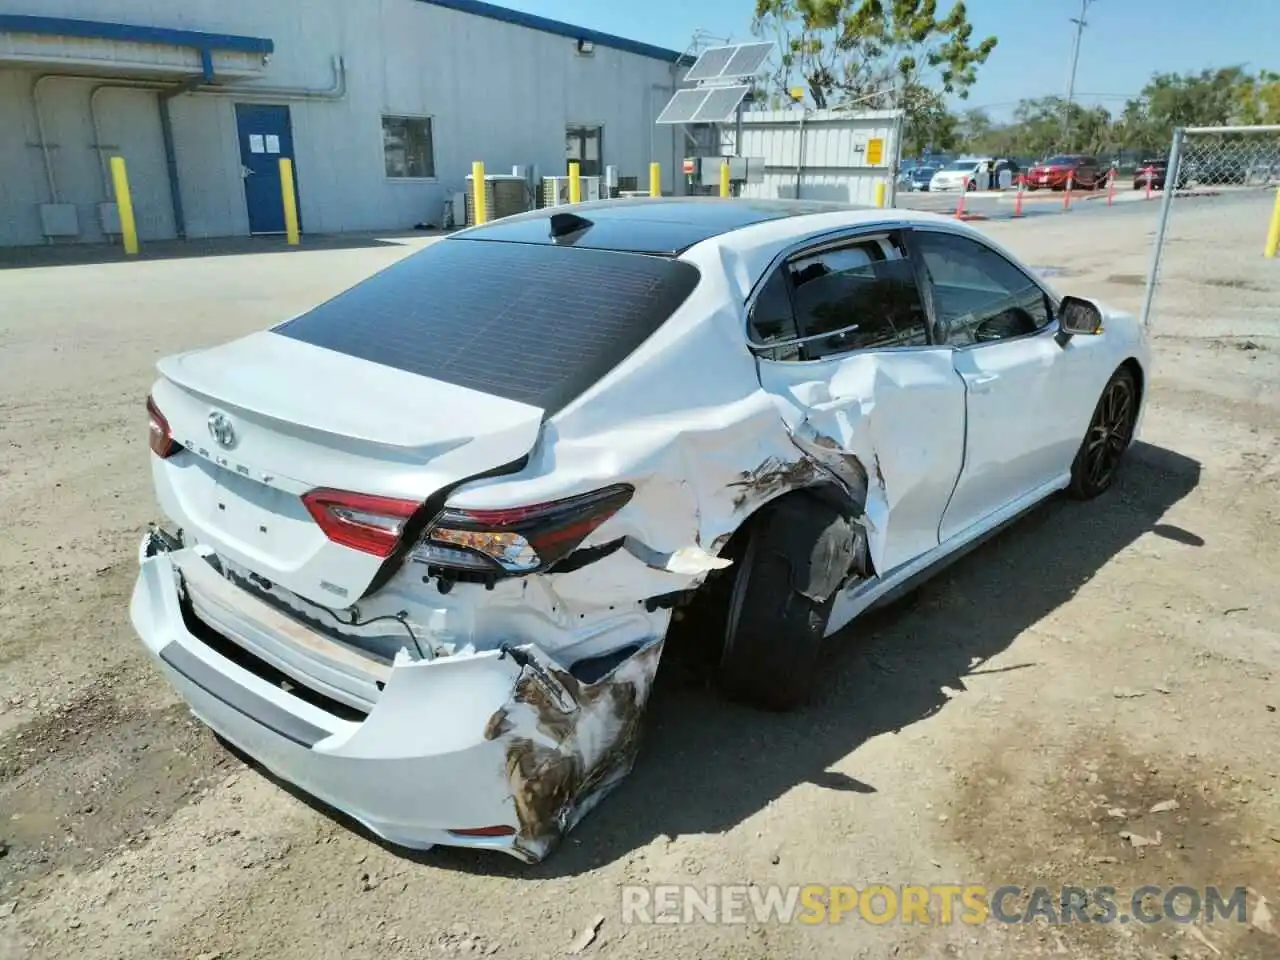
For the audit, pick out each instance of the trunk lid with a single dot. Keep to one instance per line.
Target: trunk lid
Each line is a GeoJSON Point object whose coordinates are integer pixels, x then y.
{"type": "Point", "coordinates": [267, 418]}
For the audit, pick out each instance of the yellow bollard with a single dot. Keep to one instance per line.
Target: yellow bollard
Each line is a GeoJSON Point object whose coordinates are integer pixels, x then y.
{"type": "Point", "coordinates": [655, 179]}
{"type": "Point", "coordinates": [1273, 235]}
{"type": "Point", "coordinates": [880, 192]}
{"type": "Point", "coordinates": [725, 187]}
{"type": "Point", "coordinates": [290, 198]}
{"type": "Point", "coordinates": [575, 182]}
{"type": "Point", "coordinates": [480, 211]}
{"type": "Point", "coordinates": [124, 204]}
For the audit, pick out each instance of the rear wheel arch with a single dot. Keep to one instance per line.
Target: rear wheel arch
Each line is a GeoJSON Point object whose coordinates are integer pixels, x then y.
{"type": "Point", "coordinates": [816, 528]}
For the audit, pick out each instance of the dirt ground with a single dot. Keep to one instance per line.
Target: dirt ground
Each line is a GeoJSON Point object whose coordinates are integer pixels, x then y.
{"type": "Point", "coordinates": [1013, 722]}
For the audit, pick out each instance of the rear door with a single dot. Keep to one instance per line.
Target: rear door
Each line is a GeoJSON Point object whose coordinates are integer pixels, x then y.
{"type": "Point", "coordinates": [840, 332]}
{"type": "Point", "coordinates": [1028, 394]}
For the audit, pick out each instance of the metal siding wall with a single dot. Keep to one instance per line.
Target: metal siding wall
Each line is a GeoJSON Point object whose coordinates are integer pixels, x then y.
{"type": "Point", "coordinates": [22, 181]}
{"type": "Point", "coordinates": [204, 135]}
{"type": "Point", "coordinates": [129, 121]}
{"type": "Point", "coordinates": [833, 165]}
{"type": "Point", "coordinates": [495, 91]}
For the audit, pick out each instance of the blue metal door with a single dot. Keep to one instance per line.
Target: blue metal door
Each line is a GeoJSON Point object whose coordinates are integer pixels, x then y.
{"type": "Point", "coordinates": [265, 136]}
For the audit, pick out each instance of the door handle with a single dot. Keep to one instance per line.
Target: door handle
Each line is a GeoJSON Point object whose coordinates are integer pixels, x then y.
{"type": "Point", "coordinates": [982, 382]}
{"type": "Point", "coordinates": [245, 172]}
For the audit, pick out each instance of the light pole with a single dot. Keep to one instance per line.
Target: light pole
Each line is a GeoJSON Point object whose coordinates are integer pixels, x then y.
{"type": "Point", "coordinates": [1071, 83]}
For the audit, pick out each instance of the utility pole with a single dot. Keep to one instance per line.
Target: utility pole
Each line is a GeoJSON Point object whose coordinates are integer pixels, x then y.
{"type": "Point", "coordinates": [1071, 83]}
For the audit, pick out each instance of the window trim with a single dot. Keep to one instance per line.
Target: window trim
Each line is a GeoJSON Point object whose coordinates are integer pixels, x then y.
{"type": "Point", "coordinates": [431, 125]}
{"type": "Point", "coordinates": [927, 285]}
{"type": "Point", "coordinates": [811, 246]}
{"type": "Point", "coordinates": [840, 236]}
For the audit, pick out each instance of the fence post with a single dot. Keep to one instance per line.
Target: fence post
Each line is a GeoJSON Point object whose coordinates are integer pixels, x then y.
{"type": "Point", "coordinates": [480, 212]}
{"type": "Point", "coordinates": [1111, 187]}
{"type": "Point", "coordinates": [1017, 199]}
{"type": "Point", "coordinates": [964, 192]}
{"type": "Point", "coordinates": [655, 179]}
{"type": "Point", "coordinates": [124, 204]}
{"type": "Point", "coordinates": [1273, 235]}
{"type": "Point", "coordinates": [1151, 176]}
{"type": "Point", "coordinates": [290, 200]}
{"type": "Point", "coordinates": [1162, 223]}
{"type": "Point", "coordinates": [726, 189]}
{"type": "Point", "coordinates": [575, 182]}
{"type": "Point", "coordinates": [1066, 193]}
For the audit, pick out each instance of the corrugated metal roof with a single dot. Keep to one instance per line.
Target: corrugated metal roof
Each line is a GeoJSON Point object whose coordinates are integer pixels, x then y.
{"type": "Point", "coordinates": [558, 27]}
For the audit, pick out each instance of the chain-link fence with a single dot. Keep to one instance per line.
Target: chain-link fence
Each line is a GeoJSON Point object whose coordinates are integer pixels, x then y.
{"type": "Point", "coordinates": [1210, 275]}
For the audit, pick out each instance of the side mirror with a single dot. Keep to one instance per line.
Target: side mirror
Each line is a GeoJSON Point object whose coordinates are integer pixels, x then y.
{"type": "Point", "coordinates": [1077, 317]}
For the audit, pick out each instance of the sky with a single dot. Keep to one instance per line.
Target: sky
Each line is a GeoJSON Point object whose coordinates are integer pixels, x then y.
{"type": "Point", "coordinates": [1124, 43]}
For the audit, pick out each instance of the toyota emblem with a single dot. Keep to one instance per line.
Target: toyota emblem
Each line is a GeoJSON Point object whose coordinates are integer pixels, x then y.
{"type": "Point", "coordinates": [222, 430]}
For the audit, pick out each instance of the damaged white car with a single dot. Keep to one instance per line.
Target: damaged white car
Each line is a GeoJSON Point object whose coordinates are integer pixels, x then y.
{"type": "Point", "coordinates": [426, 540]}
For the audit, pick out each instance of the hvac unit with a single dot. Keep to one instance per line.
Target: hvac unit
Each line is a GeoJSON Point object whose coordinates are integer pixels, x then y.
{"type": "Point", "coordinates": [504, 195]}
{"type": "Point", "coordinates": [555, 190]}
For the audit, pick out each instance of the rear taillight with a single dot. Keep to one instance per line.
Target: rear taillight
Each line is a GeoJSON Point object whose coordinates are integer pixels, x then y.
{"type": "Point", "coordinates": [160, 436]}
{"type": "Point", "coordinates": [517, 540]}
{"type": "Point", "coordinates": [359, 520]}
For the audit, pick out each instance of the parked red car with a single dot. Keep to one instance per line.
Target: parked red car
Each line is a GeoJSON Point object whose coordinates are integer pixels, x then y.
{"type": "Point", "coordinates": [1052, 174]}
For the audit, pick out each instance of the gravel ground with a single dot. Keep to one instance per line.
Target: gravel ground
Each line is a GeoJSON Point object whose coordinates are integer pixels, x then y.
{"type": "Point", "coordinates": [1013, 722]}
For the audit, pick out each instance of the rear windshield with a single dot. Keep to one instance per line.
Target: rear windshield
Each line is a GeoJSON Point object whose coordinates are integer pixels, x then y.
{"type": "Point", "coordinates": [1061, 161]}
{"type": "Point", "coordinates": [534, 323]}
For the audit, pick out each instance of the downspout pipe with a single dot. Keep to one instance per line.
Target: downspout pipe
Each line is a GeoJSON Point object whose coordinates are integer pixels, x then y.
{"type": "Point", "coordinates": [336, 91]}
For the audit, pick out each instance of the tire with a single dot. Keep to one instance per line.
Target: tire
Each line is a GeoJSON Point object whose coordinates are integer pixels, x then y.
{"type": "Point", "coordinates": [773, 632]}
{"type": "Point", "coordinates": [1108, 438]}
{"type": "Point", "coordinates": [1032, 187]}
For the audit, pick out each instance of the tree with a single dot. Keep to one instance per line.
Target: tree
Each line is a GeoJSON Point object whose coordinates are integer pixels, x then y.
{"type": "Point", "coordinates": [976, 129]}
{"type": "Point", "coordinates": [1258, 99]}
{"type": "Point", "coordinates": [928, 122]}
{"type": "Point", "coordinates": [1205, 99]}
{"type": "Point", "coordinates": [871, 53]}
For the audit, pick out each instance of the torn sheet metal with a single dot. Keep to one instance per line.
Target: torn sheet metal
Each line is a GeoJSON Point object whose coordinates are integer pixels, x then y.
{"type": "Point", "coordinates": [890, 424]}
{"type": "Point", "coordinates": [564, 753]}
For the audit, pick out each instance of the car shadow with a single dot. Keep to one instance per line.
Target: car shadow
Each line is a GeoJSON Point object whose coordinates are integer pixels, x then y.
{"type": "Point", "coordinates": [706, 765]}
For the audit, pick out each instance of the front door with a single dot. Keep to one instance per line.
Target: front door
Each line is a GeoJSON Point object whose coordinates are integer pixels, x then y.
{"type": "Point", "coordinates": [1026, 390]}
{"type": "Point", "coordinates": [265, 136]}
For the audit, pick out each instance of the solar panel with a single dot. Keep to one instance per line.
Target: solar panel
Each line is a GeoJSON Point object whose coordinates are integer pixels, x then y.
{"type": "Point", "coordinates": [711, 63]}
{"type": "Point", "coordinates": [747, 60]}
{"type": "Point", "coordinates": [720, 104]}
{"type": "Point", "coordinates": [682, 107]}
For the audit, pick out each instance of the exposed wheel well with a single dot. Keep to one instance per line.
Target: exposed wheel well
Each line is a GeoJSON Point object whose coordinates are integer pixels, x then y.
{"type": "Point", "coordinates": [698, 626]}
{"type": "Point", "coordinates": [1139, 377]}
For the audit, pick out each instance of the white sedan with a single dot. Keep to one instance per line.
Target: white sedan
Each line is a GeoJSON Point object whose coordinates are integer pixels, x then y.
{"type": "Point", "coordinates": [425, 541]}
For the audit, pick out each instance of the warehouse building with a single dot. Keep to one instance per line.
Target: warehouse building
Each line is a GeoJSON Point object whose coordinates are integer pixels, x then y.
{"type": "Point", "coordinates": [381, 104]}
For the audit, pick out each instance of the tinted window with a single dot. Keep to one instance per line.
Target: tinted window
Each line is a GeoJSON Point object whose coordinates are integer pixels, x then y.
{"type": "Point", "coordinates": [863, 295]}
{"type": "Point", "coordinates": [534, 323]}
{"type": "Point", "coordinates": [1063, 161]}
{"type": "Point", "coordinates": [978, 295]}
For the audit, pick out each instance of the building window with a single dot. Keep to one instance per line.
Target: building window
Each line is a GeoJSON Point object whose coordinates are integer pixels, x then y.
{"type": "Point", "coordinates": [585, 145]}
{"type": "Point", "coordinates": [406, 146]}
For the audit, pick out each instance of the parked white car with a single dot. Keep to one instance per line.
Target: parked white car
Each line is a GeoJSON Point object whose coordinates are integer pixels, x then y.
{"type": "Point", "coordinates": [957, 175]}
{"type": "Point", "coordinates": [425, 540]}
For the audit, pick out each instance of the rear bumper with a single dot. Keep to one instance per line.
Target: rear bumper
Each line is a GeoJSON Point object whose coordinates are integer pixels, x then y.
{"type": "Point", "coordinates": [508, 743]}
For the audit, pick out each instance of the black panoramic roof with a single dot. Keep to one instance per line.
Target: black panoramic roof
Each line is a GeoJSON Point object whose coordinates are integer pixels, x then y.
{"type": "Point", "coordinates": [643, 225]}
